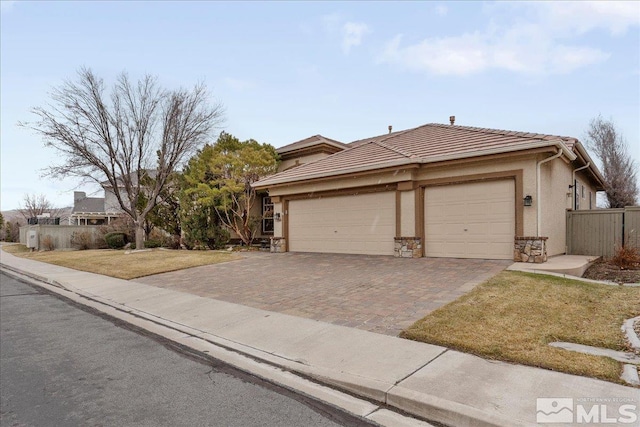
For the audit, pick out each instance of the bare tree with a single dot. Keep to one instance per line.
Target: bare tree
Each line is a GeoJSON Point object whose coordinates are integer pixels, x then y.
{"type": "Point", "coordinates": [618, 168]}
{"type": "Point", "coordinates": [139, 131]}
{"type": "Point", "coordinates": [34, 205]}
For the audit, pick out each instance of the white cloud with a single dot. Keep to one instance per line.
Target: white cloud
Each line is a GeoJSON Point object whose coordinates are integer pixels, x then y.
{"type": "Point", "coordinates": [238, 84]}
{"type": "Point", "coordinates": [453, 55]}
{"type": "Point", "coordinates": [352, 34]}
{"type": "Point", "coordinates": [545, 44]}
{"type": "Point", "coordinates": [584, 16]}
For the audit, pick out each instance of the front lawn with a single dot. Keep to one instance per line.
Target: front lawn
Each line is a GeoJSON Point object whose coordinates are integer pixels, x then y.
{"type": "Point", "coordinates": [116, 263]}
{"type": "Point", "coordinates": [513, 316]}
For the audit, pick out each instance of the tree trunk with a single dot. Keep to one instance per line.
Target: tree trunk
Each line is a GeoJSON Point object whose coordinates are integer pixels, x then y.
{"type": "Point", "coordinates": [246, 235]}
{"type": "Point", "coordinates": [140, 235]}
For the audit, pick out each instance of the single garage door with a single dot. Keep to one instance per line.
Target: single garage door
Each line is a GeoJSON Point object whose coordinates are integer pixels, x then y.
{"type": "Point", "coordinates": [359, 224]}
{"type": "Point", "coordinates": [474, 220]}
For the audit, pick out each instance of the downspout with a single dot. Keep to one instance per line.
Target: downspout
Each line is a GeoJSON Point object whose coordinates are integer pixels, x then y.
{"type": "Point", "coordinates": [573, 182]}
{"type": "Point", "coordinates": [539, 205]}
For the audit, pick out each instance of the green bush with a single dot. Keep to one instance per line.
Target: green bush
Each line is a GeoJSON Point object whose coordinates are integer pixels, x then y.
{"type": "Point", "coordinates": [214, 237]}
{"type": "Point", "coordinates": [116, 240]}
{"type": "Point", "coordinates": [151, 243]}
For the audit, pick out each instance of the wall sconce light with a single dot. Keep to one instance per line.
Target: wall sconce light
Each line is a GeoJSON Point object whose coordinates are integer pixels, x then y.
{"type": "Point", "coordinates": [277, 216]}
{"type": "Point", "coordinates": [528, 200]}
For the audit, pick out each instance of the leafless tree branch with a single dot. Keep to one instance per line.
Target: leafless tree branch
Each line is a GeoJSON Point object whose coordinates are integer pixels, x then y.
{"type": "Point", "coordinates": [140, 131]}
{"type": "Point", "coordinates": [619, 170]}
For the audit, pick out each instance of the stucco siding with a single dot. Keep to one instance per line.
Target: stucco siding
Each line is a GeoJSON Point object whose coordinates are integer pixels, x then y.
{"type": "Point", "coordinates": [343, 183]}
{"type": "Point", "coordinates": [408, 214]}
{"type": "Point", "coordinates": [111, 201]}
{"type": "Point", "coordinates": [300, 160]}
{"type": "Point", "coordinates": [585, 191]}
{"type": "Point", "coordinates": [555, 178]}
{"type": "Point", "coordinates": [277, 225]}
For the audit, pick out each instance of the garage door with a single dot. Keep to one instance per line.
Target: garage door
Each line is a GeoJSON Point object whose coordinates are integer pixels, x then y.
{"type": "Point", "coordinates": [360, 224]}
{"type": "Point", "coordinates": [475, 220]}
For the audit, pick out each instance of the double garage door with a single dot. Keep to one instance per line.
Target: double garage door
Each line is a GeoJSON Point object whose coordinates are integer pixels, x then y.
{"type": "Point", "coordinates": [358, 224]}
{"type": "Point", "coordinates": [471, 220]}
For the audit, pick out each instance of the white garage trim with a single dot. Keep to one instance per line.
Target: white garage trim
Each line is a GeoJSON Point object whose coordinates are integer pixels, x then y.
{"type": "Point", "coordinates": [350, 224]}
{"type": "Point", "coordinates": [470, 220]}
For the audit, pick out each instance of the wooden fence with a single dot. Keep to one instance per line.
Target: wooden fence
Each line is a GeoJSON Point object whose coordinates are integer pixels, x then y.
{"type": "Point", "coordinates": [602, 231]}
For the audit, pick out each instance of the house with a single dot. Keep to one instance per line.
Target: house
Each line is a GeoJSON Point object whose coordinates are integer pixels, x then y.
{"type": "Point", "coordinates": [101, 210]}
{"type": "Point", "coordinates": [435, 190]}
{"type": "Point", "coordinates": [93, 210]}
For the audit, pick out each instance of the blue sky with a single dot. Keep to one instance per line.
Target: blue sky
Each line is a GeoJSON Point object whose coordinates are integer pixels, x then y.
{"type": "Point", "coordinates": [288, 70]}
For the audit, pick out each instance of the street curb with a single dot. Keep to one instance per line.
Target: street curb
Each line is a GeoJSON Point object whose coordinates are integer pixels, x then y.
{"type": "Point", "coordinates": [382, 394]}
{"type": "Point", "coordinates": [629, 331]}
{"type": "Point", "coordinates": [569, 276]}
{"type": "Point", "coordinates": [32, 276]}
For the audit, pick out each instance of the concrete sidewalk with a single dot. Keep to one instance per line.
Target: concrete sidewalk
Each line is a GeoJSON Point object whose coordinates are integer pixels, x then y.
{"type": "Point", "coordinates": [428, 381]}
{"type": "Point", "coordinates": [573, 266]}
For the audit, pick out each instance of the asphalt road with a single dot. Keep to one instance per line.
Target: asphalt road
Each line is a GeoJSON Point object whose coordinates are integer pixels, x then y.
{"type": "Point", "coordinates": [61, 365]}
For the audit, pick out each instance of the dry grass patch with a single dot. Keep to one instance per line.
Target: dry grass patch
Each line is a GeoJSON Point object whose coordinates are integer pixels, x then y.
{"type": "Point", "coordinates": [14, 248]}
{"type": "Point", "coordinates": [514, 316]}
{"type": "Point", "coordinates": [116, 263]}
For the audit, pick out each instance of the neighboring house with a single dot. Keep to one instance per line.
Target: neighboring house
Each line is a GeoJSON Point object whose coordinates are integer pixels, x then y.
{"type": "Point", "coordinates": [93, 210]}
{"type": "Point", "coordinates": [435, 190]}
{"type": "Point", "coordinates": [100, 210]}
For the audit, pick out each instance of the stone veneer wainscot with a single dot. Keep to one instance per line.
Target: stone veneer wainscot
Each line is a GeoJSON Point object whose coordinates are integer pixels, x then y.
{"type": "Point", "coordinates": [407, 247]}
{"type": "Point", "coordinates": [530, 249]}
{"type": "Point", "coordinates": [277, 244]}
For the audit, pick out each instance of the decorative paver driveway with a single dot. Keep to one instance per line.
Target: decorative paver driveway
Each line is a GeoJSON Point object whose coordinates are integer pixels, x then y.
{"type": "Point", "coordinates": [375, 293]}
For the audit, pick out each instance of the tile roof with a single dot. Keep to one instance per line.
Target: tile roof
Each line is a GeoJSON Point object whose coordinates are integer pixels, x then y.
{"type": "Point", "coordinates": [423, 144]}
{"type": "Point", "coordinates": [307, 142]}
{"type": "Point", "coordinates": [89, 204]}
{"type": "Point", "coordinates": [437, 139]}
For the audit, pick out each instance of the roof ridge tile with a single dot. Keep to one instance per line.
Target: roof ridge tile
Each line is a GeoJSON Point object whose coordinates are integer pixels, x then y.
{"type": "Point", "coordinates": [504, 132]}
{"type": "Point", "coordinates": [392, 148]}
